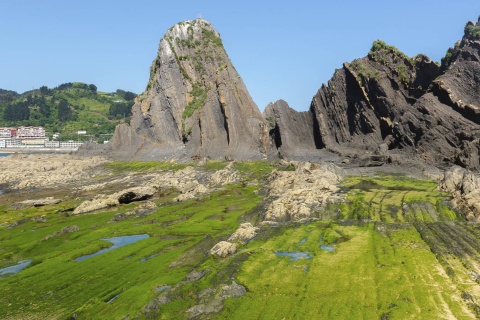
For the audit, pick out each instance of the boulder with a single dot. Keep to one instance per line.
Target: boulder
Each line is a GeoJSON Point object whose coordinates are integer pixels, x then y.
{"type": "Point", "coordinates": [234, 290]}
{"type": "Point", "coordinates": [244, 233]}
{"type": "Point", "coordinates": [41, 202]}
{"type": "Point", "coordinates": [106, 201]}
{"type": "Point", "coordinates": [223, 249]}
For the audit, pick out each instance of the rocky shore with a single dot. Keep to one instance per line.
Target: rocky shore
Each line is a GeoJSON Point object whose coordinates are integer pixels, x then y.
{"type": "Point", "coordinates": [292, 195]}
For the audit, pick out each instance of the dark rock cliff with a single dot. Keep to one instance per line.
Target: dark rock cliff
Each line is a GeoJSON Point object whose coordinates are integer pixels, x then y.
{"type": "Point", "coordinates": [292, 133]}
{"type": "Point", "coordinates": [195, 105]}
{"type": "Point", "coordinates": [390, 103]}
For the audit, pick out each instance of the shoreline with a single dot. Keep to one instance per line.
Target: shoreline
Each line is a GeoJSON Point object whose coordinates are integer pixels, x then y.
{"type": "Point", "coordinates": [35, 150]}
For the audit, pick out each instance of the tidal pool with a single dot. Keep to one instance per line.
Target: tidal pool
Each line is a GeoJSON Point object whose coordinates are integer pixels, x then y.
{"type": "Point", "coordinates": [16, 268]}
{"type": "Point", "coordinates": [301, 242]}
{"type": "Point", "coordinates": [294, 255]}
{"type": "Point", "coordinates": [327, 248]}
{"type": "Point", "coordinates": [117, 243]}
{"type": "Point", "coordinates": [162, 288]}
{"type": "Point", "coordinates": [148, 258]}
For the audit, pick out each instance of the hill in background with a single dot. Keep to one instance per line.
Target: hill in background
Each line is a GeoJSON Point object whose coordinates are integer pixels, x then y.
{"type": "Point", "coordinates": [67, 109]}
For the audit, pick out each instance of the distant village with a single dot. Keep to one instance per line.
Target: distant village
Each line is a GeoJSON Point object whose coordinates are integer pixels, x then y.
{"type": "Point", "coordinates": [33, 138]}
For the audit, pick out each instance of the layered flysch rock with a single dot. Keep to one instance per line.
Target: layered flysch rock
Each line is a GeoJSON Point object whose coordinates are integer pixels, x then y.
{"type": "Point", "coordinates": [195, 104]}
{"type": "Point", "coordinates": [292, 134]}
{"type": "Point", "coordinates": [383, 107]}
{"type": "Point", "coordinates": [388, 101]}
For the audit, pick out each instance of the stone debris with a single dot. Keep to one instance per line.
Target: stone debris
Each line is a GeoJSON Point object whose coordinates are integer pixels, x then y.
{"type": "Point", "coordinates": [144, 209]}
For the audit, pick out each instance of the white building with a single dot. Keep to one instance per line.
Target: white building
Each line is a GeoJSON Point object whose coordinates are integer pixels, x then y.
{"type": "Point", "coordinates": [30, 132]}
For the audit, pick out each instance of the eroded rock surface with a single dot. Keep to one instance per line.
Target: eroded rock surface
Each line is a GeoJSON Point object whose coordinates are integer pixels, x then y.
{"type": "Point", "coordinates": [464, 185]}
{"type": "Point", "coordinates": [295, 195]}
{"type": "Point", "coordinates": [225, 176]}
{"type": "Point", "coordinates": [44, 170]}
{"type": "Point", "coordinates": [121, 197]}
{"type": "Point", "coordinates": [40, 202]}
{"type": "Point", "coordinates": [195, 105]}
{"type": "Point", "coordinates": [244, 233]}
{"type": "Point", "coordinates": [223, 249]}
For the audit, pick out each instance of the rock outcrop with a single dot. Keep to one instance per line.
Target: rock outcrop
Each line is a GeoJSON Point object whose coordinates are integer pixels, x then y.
{"type": "Point", "coordinates": [121, 197]}
{"type": "Point", "coordinates": [464, 186]}
{"type": "Point", "coordinates": [291, 133]}
{"type": "Point", "coordinates": [223, 249]}
{"type": "Point", "coordinates": [386, 107]}
{"type": "Point", "coordinates": [195, 105]}
{"type": "Point", "coordinates": [244, 233]}
{"type": "Point", "coordinates": [44, 170]}
{"type": "Point", "coordinates": [297, 195]}
{"type": "Point", "coordinates": [390, 103]}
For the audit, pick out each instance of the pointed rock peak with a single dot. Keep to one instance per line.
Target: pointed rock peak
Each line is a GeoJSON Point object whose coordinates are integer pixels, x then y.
{"type": "Point", "coordinates": [194, 29]}
{"type": "Point", "coordinates": [380, 49]}
{"type": "Point", "coordinates": [472, 30]}
{"type": "Point", "coordinates": [196, 103]}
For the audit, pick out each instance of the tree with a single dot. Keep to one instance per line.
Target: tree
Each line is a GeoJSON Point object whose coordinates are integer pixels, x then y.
{"type": "Point", "coordinates": [129, 96]}
{"type": "Point", "coordinates": [92, 87]}
{"type": "Point", "coordinates": [120, 109]}
{"type": "Point", "coordinates": [64, 111]}
{"type": "Point", "coordinates": [44, 90]}
{"type": "Point", "coordinates": [16, 112]}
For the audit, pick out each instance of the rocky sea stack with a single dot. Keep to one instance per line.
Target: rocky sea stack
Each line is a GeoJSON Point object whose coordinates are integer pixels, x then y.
{"type": "Point", "coordinates": [385, 107]}
{"type": "Point", "coordinates": [195, 105]}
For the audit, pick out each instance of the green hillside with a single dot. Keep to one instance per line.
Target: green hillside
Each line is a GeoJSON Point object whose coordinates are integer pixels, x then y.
{"type": "Point", "coordinates": [66, 109]}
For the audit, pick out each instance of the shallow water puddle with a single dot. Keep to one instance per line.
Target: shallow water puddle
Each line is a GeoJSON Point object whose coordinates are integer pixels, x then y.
{"type": "Point", "coordinates": [113, 299]}
{"type": "Point", "coordinates": [148, 258]}
{"type": "Point", "coordinates": [327, 248]}
{"type": "Point", "coordinates": [294, 255]}
{"type": "Point", "coordinates": [162, 288]}
{"type": "Point", "coordinates": [301, 242]}
{"type": "Point", "coordinates": [16, 268]}
{"type": "Point", "coordinates": [117, 243]}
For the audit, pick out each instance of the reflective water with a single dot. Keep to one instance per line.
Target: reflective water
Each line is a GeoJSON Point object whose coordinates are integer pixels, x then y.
{"type": "Point", "coordinates": [16, 268]}
{"type": "Point", "coordinates": [328, 248]}
{"type": "Point", "coordinates": [162, 288]}
{"type": "Point", "coordinates": [294, 255]}
{"type": "Point", "coordinates": [117, 243]}
{"type": "Point", "coordinates": [148, 258]}
{"type": "Point", "coordinates": [302, 242]}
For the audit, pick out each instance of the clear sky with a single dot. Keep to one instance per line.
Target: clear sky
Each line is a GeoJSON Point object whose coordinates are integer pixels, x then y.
{"type": "Point", "coordinates": [282, 49]}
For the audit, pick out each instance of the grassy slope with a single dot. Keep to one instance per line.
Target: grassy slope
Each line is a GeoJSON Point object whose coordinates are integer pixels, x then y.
{"type": "Point", "coordinates": [91, 112]}
{"type": "Point", "coordinates": [403, 266]}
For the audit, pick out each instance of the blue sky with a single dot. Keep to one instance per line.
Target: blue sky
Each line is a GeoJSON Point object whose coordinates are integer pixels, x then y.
{"type": "Point", "coordinates": [282, 49]}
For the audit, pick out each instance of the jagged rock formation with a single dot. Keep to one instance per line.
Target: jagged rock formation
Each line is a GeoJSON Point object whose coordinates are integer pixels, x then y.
{"type": "Point", "coordinates": [388, 103]}
{"type": "Point", "coordinates": [195, 105]}
{"type": "Point", "coordinates": [291, 132]}
{"type": "Point", "coordinates": [385, 107]}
